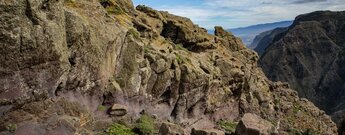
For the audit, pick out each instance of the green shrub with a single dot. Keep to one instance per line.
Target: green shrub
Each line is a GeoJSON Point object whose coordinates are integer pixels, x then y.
{"type": "Point", "coordinates": [228, 126]}
{"type": "Point", "coordinates": [164, 42]}
{"type": "Point", "coordinates": [309, 132]}
{"type": "Point", "coordinates": [111, 7]}
{"type": "Point", "coordinates": [180, 47]}
{"type": "Point", "coordinates": [101, 108]}
{"type": "Point", "coordinates": [296, 109]}
{"type": "Point", "coordinates": [11, 128]}
{"type": "Point", "coordinates": [146, 49]}
{"type": "Point", "coordinates": [134, 33]}
{"type": "Point", "coordinates": [114, 10]}
{"type": "Point", "coordinates": [179, 58]}
{"type": "Point", "coordinates": [182, 59]}
{"type": "Point", "coordinates": [70, 3]}
{"type": "Point", "coordinates": [145, 125]}
{"type": "Point", "coordinates": [118, 129]}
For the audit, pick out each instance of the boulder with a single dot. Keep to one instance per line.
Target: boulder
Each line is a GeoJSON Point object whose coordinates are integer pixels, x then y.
{"type": "Point", "coordinates": [170, 129]}
{"type": "Point", "coordinates": [252, 124]}
{"type": "Point", "coordinates": [118, 110]}
{"type": "Point", "coordinates": [159, 66]}
{"type": "Point", "coordinates": [207, 132]}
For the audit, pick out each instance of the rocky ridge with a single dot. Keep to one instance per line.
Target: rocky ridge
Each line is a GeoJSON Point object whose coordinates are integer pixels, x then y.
{"type": "Point", "coordinates": [76, 67]}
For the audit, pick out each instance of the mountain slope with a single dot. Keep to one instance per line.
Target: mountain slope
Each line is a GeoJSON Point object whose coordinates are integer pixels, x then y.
{"type": "Point", "coordinates": [247, 34]}
{"type": "Point", "coordinates": [263, 40]}
{"type": "Point", "coordinates": [310, 57]}
{"type": "Point", "coordinates": [105, 67]}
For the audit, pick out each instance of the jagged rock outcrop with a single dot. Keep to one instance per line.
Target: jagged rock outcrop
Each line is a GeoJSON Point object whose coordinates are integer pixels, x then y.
{"type": "Point", "coordinates": [66, 63]}
{"type": "Point", "coordinates": [310, 57]}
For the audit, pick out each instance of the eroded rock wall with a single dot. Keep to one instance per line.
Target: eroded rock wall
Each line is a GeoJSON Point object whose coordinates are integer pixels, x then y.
{"type": "Point", "coordinates": [73, 58]}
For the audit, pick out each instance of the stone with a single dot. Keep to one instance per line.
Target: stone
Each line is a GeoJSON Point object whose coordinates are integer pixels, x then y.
{"type": "Point", "coordinates": [118, 110]}
{"type": "Point", "coordinates": [206, 132]}
{"type": "Point", "coordinates": [170, 129]}
{"type": "Point", "coordinates": [159, 66]}
{"type": "Point", "coordinates": [251, 124]}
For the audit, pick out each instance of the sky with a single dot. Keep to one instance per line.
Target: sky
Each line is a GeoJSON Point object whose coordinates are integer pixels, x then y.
{"type": "Point", "coordinates": [241, 13]}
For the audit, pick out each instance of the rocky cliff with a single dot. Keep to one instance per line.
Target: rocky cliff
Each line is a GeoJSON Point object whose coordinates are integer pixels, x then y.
{"type": "Point", "coordinates": [310, 57]}
{"type": "Point", "coordinates": [78, 67]}
{"type": "Point", "coordinates": [263, 40]}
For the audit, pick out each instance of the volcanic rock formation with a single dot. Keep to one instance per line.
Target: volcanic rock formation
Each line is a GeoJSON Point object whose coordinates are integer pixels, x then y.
{"type": "Point", "coordinates": [67, 65]}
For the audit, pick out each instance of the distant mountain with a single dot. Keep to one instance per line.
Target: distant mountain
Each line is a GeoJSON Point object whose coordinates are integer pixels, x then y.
{"type": "Point", "coordinates": [247, 34]}
{"type": "Point", "coordinates": [262, 41]}
{"type": "Point", "coordinates": [310, 56]}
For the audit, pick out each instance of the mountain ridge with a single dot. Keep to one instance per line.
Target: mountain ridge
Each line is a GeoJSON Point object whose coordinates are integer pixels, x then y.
{"type": "Point", "coordinates": [247, 34]}
{"type": "Point", "coordinates": [309, 56]}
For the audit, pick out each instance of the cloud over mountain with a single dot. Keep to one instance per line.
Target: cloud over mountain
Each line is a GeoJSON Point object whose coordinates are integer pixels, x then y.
{"type": "Point", "coordinates": [307, 1]}
{"type": "Point", "coordinates": [235, 13]}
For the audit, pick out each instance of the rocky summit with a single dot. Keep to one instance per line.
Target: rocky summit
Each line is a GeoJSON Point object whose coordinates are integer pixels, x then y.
{"type": "Point", "coordinates": [105, 67]}
{"type": "Point", "coordinates": [310, 57]}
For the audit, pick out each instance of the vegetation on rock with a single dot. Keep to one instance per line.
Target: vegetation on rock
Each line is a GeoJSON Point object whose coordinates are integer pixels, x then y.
{"type": "Point", "coordinates": [133, 32]}
{"type": "Point", "coordinates": [228, 126]}
{"type": "Point", "coordinates": [118, 129]}
{"type": "Point", "coordinates": [111, 7]}
{"type": "Point", "coordinates": [101, 108]}
{"type": "Point", "coordinates": [145, 125]}
{"type": "Point", "coordinates": [11, 127]}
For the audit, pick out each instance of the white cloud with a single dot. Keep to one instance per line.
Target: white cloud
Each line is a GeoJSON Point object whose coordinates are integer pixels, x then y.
{"type": "Point", "coordinates": [239, 13]}
{"type": "Point", "coordinates": [194, 13]}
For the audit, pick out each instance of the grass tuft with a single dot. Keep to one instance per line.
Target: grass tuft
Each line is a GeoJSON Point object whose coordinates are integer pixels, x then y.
{"type": "Point", "coordinates": [180, 47]}
{"type": "Point", "coordinates": [134, 33]}
{"type": "Point", "coordinates": [145, 125]}
{"type": "Point", "coordinates": [118, 129]}
{"type": "Point", "coordinates": [111, 7]}
{"type": "Point", "coordinates": [101, 108]}
{"type": "Point", "coordinates": [228, 126]}
{"type": "Point", "coordinates": [11, 128]}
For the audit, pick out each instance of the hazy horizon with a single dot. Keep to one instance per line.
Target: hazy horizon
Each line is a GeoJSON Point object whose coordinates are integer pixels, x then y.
{"type": "Point", "coordinates": [235, 14]}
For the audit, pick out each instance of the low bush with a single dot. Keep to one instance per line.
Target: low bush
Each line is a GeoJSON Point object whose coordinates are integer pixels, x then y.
{"type": "Point", "coordinates": [11, 128]}
{"type": "Point", "coordinates": [145, 125]}
{"type": "Point", "coordinates": [118, 129]}
{"type": "Point", "coordinates": [228, 126]}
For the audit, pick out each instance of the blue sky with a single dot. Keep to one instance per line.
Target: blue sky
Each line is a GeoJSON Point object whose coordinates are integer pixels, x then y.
{"type": "Point", "coordinates": [240, 13]}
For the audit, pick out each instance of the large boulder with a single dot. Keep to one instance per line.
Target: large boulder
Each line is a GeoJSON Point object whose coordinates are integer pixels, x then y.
{"type": "Point", "coordinates": [118, 110]}
{"type": "Point", "coordinates": [252, 124]}
{"type": "Point", "coordinates": [170, 129]}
